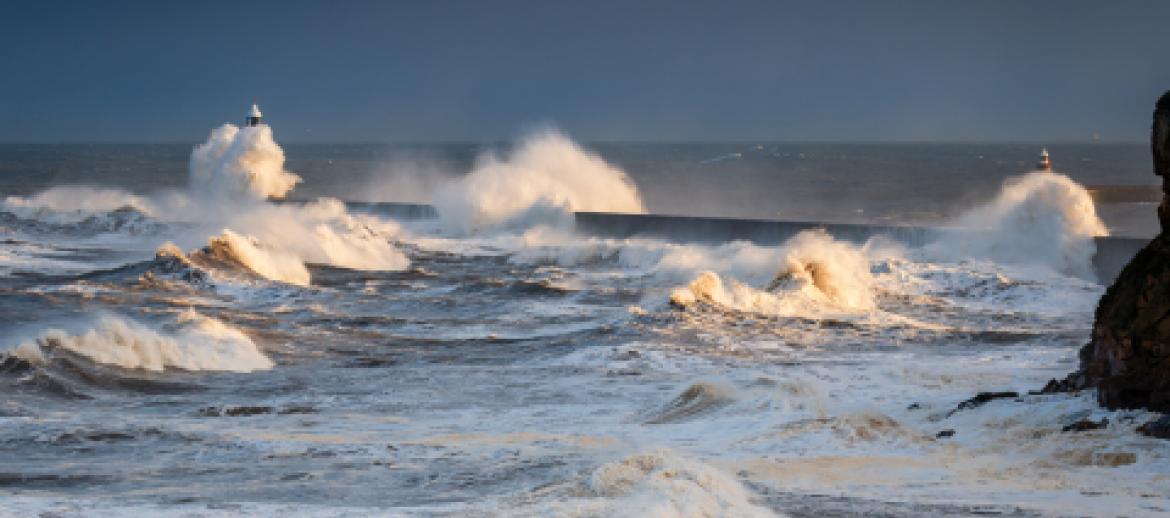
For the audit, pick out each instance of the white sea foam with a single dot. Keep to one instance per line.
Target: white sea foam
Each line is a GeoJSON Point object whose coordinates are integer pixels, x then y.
{"type": "Point", "coordinates": [194, 342]}
{"type": "Point", "coordinates": [657, 483]}
{"type": "Point", "coordinates": [72, 203]}
{"type": "Point", "coordinates": [1041, 218]}
{"type": "Point", "coordinates": [814, 271]}
{"type": "Point", "coordinates": [546, 177]}
{"type": "Point", "coordinates": [272, 263]}
{"type": "Point", "coordinates": [237, 170]}
{"type": "Point", "coordinates": [240, 161]}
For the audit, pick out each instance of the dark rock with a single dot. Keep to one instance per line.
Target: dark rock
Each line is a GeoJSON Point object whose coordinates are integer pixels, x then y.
{"type": "Point", "coordinates": [1055, 386]}
{"type": "Point", "coordinates": [1159, 428]}
{"type": "Point", "coordinates": [1128, 357]}
{"type": "Point", "coordinates": [245, 411]}
{"type": "Point", "coordinates": [297, 409]}
{"type": "Point", "coordinates": [235, 411]}
{"type": "Point", "coordinates": [945, 433]}
{"type": "Point", "coordinates": [1085, 425]}
{"type": "Point", "coordinates": [981, 399]}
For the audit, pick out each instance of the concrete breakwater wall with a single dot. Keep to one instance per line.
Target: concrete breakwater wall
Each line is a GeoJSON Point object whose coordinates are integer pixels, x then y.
{"type": "Point", "coordinates": [1113, 253]}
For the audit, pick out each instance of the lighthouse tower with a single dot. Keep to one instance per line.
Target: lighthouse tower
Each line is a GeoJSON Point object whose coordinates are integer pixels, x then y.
{"type": "Point", "coordinates": [254, 117]}
{"type": "Point", "coordinates": [1044, 164]}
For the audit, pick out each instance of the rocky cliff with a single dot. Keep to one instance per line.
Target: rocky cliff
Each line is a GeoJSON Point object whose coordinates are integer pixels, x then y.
{"type": "Point", "coordinates": [1128, 357]}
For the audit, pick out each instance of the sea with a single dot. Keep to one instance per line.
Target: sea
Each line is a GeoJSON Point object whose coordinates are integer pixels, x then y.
{"type": "Point", "coordinates": [233, 327]}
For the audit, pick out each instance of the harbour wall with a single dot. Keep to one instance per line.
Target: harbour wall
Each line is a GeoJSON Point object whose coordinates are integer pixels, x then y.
{"type": "Point", "coordinates": [1113, 253]}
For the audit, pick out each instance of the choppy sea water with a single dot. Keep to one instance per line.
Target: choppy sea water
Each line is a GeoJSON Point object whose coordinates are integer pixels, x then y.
{"type": "Point", "coordinates": [317, 360]}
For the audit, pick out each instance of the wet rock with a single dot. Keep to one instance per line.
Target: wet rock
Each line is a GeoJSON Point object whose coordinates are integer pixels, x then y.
{"type": "Point", "coordinates": [297, 409]}
{"type": "Point", "coordinates": [235, 411]}
{"type": "Point", "coordinates": [1085, 425]}
{"type": "Point", "coordinates": [981, 399]}
{"type": "Point", "coordinates": [1128, 357]}
{"type": "Point", "coordinates": [246, 411]}
{"type": "Point", "coordinates": [1055, 386]}
{"type": "Point", "coordinates": [1159, 428]}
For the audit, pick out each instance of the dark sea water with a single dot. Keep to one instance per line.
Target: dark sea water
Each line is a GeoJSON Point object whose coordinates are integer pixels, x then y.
{"type": "Point", "coordinates": [184, 347]}
{"type": "Point", "coordinates": [890, 183]}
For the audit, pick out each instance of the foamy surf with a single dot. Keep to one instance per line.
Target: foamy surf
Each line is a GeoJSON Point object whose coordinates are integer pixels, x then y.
{"type": "Point", "coordinates": [810, 367]}
{"type": "Point", "coordinates": [71, 204]}
{"type": "Point", "coordinates": [192, 342]}
{"type": "Point", "coordinates": [815, 271]}
{"type": "Point", "coordinates": [1041, 218]}
{"type": "Point", "coordinates": [546, 177]}
{"type": "Point", "coordinates": [238, 162]}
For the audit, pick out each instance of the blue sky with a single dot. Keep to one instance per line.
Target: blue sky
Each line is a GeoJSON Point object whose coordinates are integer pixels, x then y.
{"type": "Point", "coordinates": [447, 70]}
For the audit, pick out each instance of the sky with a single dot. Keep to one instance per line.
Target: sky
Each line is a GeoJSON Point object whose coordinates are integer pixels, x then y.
{"type": "Point", "coordinates": [384, 71]}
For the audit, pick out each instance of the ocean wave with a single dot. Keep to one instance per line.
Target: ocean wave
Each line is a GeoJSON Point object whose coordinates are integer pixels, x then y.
{"type": "Point", "coordinates": [50, 213]}
{"type": "Point", "coordinates": [663, 483]}
{"type": "Point", "coordinates": [193, 342]}
{"type": "Point", "coordinates": [815, 272]}
{"type": "Point", "coordinates": [240, 162]}
{"type": "Point", "coordinates": [543, 180]}
{"type": "Point", "coordinates": [1041, 218]}
{"type": "Point", "coordinates": [75, 203]}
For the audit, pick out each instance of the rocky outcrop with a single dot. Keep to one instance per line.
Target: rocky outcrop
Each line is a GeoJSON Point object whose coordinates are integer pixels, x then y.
{"type": "Point", "coordinates": [1128, 357]}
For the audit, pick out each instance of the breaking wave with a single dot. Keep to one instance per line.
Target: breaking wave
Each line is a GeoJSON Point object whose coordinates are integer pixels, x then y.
{"type": "Point", "coordinates": [268, 262]}
{"type": "Point", "coordinates": [278, 241]}
{"type": "Point", "coordinates": [237, 170]}
{"type": "Point", "coordinates": [80, 211]}
{"type": "Point", "coordinates": [545, 178]}
{"type": "Point", "coordinates": [662, 483]}
{"type": "Point", "coordinates": [72, 204]}
{"type": "Point", "coordinates": [1039, 218]}
{"type": "Point", "coordinates": [232, 176]}
{"type": "Point", "coordinates": [194, 342]}
{"type": "Point", "coordinates": [240, 161]}
{"type": "Point", "coordinates": [816, 271]}
{"type": "Point", "coordinates": [700, 398]}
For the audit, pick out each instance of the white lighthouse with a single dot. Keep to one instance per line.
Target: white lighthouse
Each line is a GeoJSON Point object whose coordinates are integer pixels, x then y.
{"type": "Point", "coordinates": [1044, 164]}
{"type": "Point", "coordinates": [254, 117]}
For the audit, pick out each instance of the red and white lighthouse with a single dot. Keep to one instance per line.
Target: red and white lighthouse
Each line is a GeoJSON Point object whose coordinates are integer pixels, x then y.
{"type": "Point", "coordinates": [1044, 164]}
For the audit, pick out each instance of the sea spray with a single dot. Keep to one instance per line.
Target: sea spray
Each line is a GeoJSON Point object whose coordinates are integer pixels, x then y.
{"type": "Point", "coordinates": [193, 342]}
{"type": "Point", "coordinates": [226, 207]}
{"type": "Point", "coordinates": [272, 263]}
{"type": "Point", "coordinates": [240, 161]}
{"type": "Point", "coordinates": [73, 203]}
{"type": "Point", "coordinates": [662, 483]}
{"type": "Point", "coordinates": [320, 232]}
{"type": "Point", "coordinates": [233, 175]}
{"type": "Point", "coordinates": [816, 272]}
{"type": "Point", "coordinates": [545, 178]}
{"type": "Point", "coordinates": [1041, 218]}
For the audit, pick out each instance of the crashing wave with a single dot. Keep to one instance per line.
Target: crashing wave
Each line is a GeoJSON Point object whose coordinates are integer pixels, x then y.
{"type": "Point", "coordinates": [662, 483]}
{"type": "Point", "coordinates": [240, 161]}
{"type": "Point", "coordinates": [194, 343]}
{"type": "Point", "coordinates": [249, 253]}
{"type": "Point", "coordinates": [817, 272]}
{"type": "Point", "coordinates": [1041, 218]}
{"type": "Point", "coordinates": [323, 232]}
{"type": "Point", "coordinates": [74, 203]}
{"type": "Point", "coordinates": [237, 170]}
{"type": "Point", "coordinates": [80, 211]}
{"type": "Point", "coordinates": [546, 178]}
